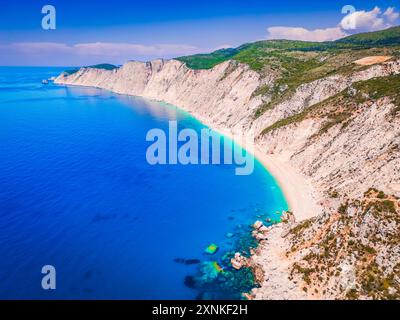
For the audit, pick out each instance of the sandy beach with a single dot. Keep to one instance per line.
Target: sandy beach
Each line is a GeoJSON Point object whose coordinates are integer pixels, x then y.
{"type": "Point", "coordinates": [297, 190]}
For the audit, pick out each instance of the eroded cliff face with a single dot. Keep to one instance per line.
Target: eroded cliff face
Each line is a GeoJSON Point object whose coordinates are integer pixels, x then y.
{"type": "Point", "coordinates": [316, 91]}
{"type": "Point", "coordinates": [221, 97]}
{"type": "Point", "coordinates": [353, 155]}
{"type": "Point", "coordinates": [343, 140]}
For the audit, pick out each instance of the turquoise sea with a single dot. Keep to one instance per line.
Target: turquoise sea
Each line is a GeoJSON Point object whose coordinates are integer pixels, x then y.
{"type": "Point", "coordinates": [77, 193]}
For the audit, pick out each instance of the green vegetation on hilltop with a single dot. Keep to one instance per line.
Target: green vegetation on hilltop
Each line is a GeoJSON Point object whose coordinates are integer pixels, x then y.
{"type": "Point", "coordinates": [386, 37]}
{"type": "Point", "coordinates": [257, 54]}
{"type": "Point", "coordinates": [71, 71]}
{"type": "Point", "coordinates": [104, 66]}
{"type": "Point", "coordinates": [293, 63]}
{"type": "Point", "coordinates": [207, 61]}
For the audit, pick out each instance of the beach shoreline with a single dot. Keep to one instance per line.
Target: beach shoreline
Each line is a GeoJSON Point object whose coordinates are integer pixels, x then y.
{"type": "Point", "coordinates": [300, 196]}
{"type": "Point", "coordinates": [297, 190]}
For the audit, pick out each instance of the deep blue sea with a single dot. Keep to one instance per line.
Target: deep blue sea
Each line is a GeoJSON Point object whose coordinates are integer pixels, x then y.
{"type": "Point", "coordinates": [77, 193]}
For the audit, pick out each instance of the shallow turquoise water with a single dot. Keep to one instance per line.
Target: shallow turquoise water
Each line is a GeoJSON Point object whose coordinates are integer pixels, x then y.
{"type": "Point", "coordinates": [76, 192]}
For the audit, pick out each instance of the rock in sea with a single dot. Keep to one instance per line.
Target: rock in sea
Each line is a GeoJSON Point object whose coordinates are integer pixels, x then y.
{"type": "Point", "coordinates": [190, 282]}
{"type": "Point", "coordinates": [192, 261]}
{"type": "Point", "coordinates": [211, 249]}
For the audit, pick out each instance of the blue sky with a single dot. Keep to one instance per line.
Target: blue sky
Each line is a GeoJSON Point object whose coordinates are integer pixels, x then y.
{"type": "Point", "coordinates": [89, 32]}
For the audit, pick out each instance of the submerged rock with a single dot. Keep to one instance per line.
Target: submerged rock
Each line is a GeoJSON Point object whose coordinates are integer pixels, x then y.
{"type": "Point", "coordinates": [190, 282]}
{"type": "Point", "coordinates": [211, 249]}
{"type": "Point", "coordinates": [206, 296]}
{"type": "Point", "coordinates": [218, 280]}
{"type": "Point", "coordinates": [192, 261]}
{"type": "Point", "coordinates": [209, 271]}
{"type": "Point", "coordinates": [187, 261]}
{"type": "Point", "coordinates": [217, 267]}
{"type": "Point", "coordinates": [179, 260]}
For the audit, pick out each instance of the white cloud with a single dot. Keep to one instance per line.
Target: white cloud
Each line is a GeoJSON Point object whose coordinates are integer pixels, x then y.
{"type": "Point", "coordinates": [363, 20]}
{"type": "Point", "coordinates": [298, 33]}
{"type": "Point", "coordinates": [358, 21]}
{"type": "Point", "coordinates": [391, 15]}
{"type": "Point", "coordinates": [374, 20]}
